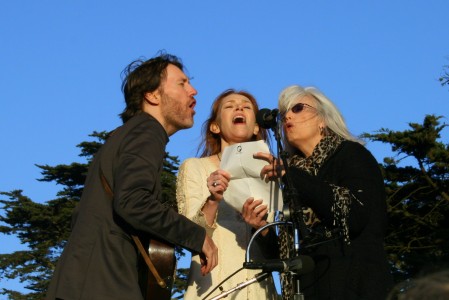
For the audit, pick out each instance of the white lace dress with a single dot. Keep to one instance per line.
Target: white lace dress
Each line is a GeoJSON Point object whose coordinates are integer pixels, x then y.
{"type": "Point", "coordinates": [230, 233]}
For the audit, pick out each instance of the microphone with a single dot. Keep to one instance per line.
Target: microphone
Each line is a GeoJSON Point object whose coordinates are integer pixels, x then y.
{"type": "Point", "coordinates": [299, 265]}
{"type": "Point", "coordinates": [266, 118]}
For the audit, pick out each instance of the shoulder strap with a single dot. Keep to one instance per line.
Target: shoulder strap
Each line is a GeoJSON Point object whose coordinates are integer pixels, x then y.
{"type": "Point", "coordinates": [136, 239]}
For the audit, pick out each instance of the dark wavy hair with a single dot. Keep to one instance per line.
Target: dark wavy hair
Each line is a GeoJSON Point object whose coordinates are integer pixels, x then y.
{"type": "Point", "coordinates": [144, 76]}
{"type": "Point", "coordinates": [211, 143]}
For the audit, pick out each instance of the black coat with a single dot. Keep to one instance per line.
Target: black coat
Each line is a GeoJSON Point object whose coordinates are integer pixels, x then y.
{"type": "Point", "coordinates": [100, 260]}
{"type": "Point", "coordinates": [360, 270]}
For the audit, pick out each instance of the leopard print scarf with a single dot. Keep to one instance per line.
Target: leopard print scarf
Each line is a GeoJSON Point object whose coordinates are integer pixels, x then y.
{"type": "Point", "coordinates": [340, 206]}
{"type": "Point", "coordinates": [342, 196]}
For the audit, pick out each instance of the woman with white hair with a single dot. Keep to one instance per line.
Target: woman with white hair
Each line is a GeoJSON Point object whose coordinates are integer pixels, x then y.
{"type": "Point", "coordinates": [340, 197]}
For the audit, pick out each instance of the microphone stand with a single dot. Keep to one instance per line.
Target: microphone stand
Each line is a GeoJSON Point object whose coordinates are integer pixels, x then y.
{"type": "Point", "coordinates": [290, 198]}
{"type": "Point", "coordinates": [289, 193]}
{"type": "Point", "coordinates": [259, 277]}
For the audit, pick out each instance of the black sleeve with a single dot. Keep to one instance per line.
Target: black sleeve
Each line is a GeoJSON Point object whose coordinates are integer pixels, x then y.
{"type": "Point", "coordinates": [353, 168]}
{"type": "Point", "coordinates": [137, 190]}
{"type": "Point", "coordinates": [268, 244]}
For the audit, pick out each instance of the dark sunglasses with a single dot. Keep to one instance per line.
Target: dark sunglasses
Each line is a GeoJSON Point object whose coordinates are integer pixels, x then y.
{"type": "Point", "coordinates": [299, 107]}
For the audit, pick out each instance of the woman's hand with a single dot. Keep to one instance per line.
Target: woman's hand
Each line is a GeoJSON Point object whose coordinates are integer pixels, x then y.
{"type": "Point", "coordinates": [273, 170]}
{"type": "Point", "coordinates": [254, 213]}
{"type": "Point", "coordinates": [217, 183]}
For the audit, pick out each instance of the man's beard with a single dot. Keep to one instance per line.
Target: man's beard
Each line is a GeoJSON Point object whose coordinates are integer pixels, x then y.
{"type": "Point", "coordinates": [175, 113]}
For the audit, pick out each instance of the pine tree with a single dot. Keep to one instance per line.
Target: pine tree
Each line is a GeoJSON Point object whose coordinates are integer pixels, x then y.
{"type": "Point", "coordinates": [417, 185]}
{"type": "Point", "coordinates": [444, 79]}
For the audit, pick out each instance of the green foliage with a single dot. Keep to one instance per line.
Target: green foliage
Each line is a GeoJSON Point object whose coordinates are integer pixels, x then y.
{"type": "Point", "coordinates": [168, 182]}
{"type": "Point", "coordinates": [45, 227]}
{"type": "Point", "coordinates": [417, 184]}
{"type": "Point", "coordinates": [444, 79]}
{"type": "Point", "coordinates": [180, 283]}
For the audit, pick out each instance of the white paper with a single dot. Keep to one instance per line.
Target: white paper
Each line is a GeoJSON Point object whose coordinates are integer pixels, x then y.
{"type": "Point", "coordinates": [245, 180]}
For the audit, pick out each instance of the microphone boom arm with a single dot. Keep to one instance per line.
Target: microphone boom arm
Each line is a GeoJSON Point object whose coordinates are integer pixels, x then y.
{"type": "Point", "coordinates": [248, 248]}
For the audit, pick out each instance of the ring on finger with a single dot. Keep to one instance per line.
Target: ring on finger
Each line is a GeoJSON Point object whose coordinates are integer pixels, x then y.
{"type": "Point", "coordinates": [214, 184]}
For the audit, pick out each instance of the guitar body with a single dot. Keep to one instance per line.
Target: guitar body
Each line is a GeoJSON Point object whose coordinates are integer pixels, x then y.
{"type": "Point", "coordinates": [163, 257]}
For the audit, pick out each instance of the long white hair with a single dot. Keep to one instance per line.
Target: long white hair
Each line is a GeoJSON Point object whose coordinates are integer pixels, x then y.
{"type": "Point", "coordinates": [326, 110]}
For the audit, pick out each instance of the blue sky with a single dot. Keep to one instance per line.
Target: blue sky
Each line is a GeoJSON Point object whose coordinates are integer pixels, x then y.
{"type": "Point", "coordinates": [61, 63]}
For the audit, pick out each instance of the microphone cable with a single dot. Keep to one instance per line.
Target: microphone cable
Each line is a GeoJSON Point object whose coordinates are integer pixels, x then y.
{"type": "Point", "coordinates": [223, 281]}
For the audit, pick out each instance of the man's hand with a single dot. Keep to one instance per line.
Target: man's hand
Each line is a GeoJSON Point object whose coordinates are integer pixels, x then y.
{"type": "Point", "coordinates": [209, 256]}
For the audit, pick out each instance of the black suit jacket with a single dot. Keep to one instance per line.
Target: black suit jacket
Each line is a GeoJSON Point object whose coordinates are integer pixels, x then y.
{"type": "Point", "coordinates": [100, 260]}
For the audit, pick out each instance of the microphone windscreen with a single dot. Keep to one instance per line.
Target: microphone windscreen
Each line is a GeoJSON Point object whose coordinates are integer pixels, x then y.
{"type": "Point", "coordinates": [303, 264]}
{"type": "Point", "coordinates": [261, 115]}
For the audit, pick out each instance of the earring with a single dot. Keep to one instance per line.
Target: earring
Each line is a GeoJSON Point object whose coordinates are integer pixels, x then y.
{"type": "Point", "coordinates": [321, 130]}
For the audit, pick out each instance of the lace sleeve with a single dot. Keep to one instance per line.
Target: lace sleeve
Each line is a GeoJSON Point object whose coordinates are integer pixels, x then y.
{"type": "Point", "coordinates": [192, 192]}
